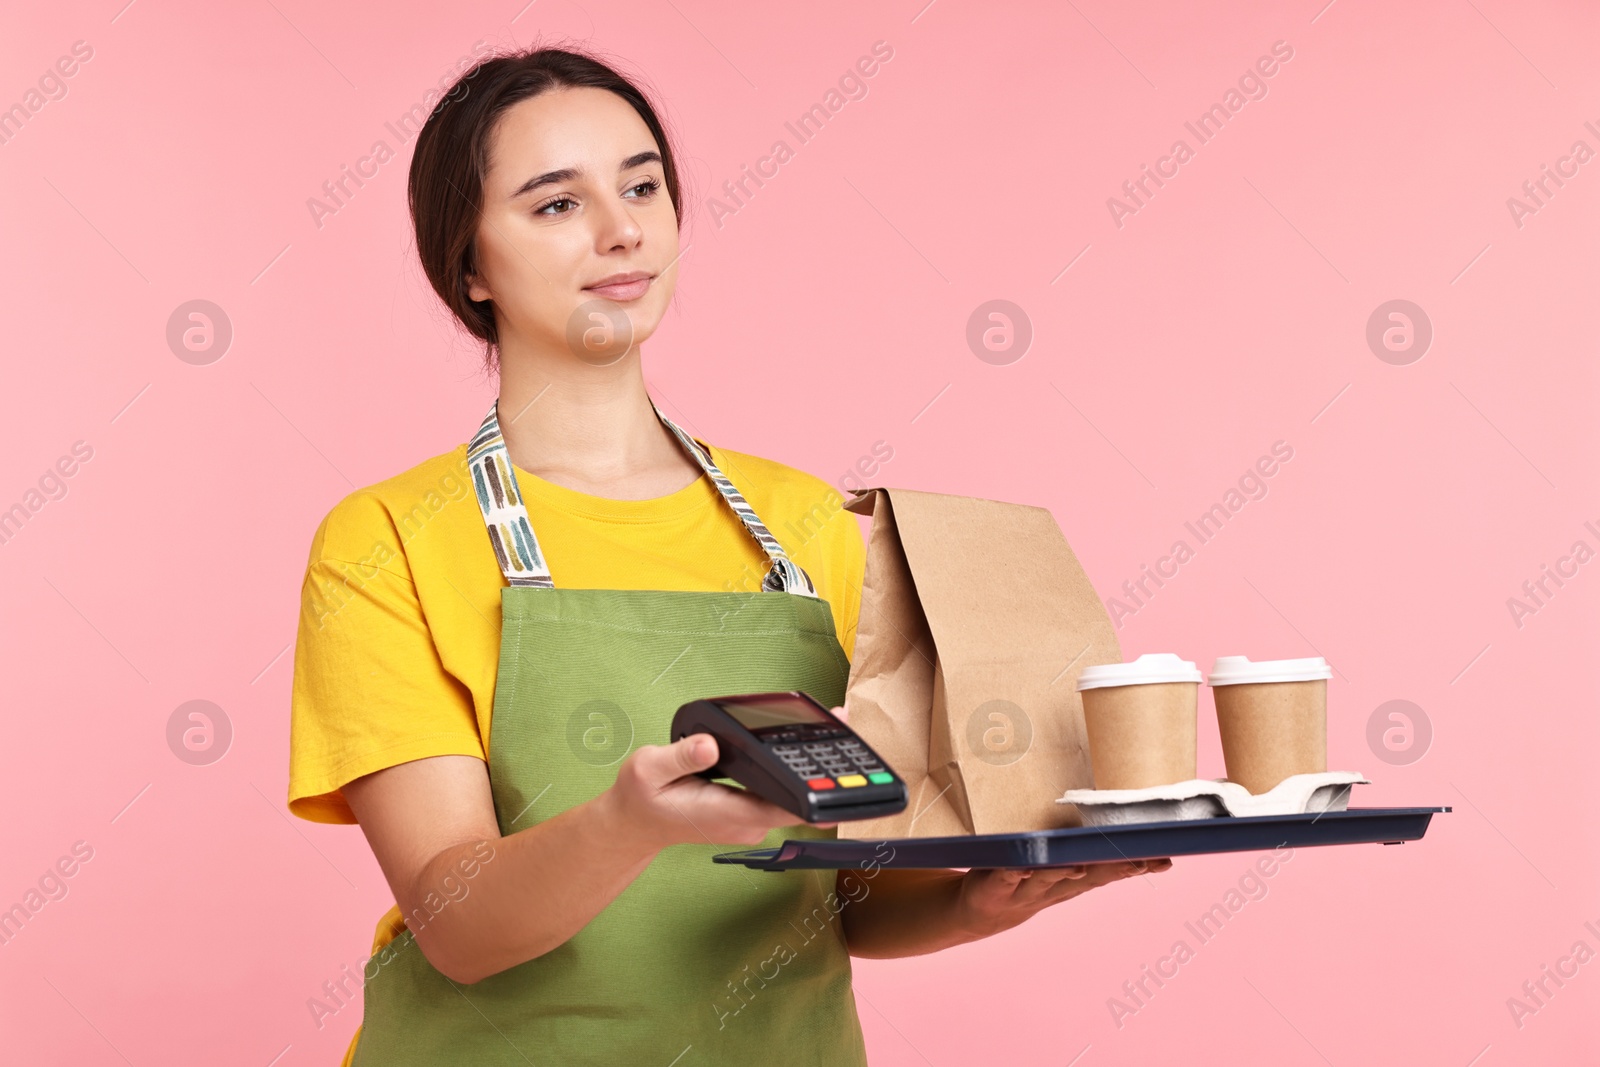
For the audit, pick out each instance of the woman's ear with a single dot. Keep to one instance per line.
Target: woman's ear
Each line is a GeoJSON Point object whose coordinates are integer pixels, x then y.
{"type": "Point", "coordinates": [477, 289]}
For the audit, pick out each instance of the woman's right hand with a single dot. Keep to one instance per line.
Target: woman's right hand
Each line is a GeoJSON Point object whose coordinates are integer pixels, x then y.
{"type": "Point", "coordinates": [660, 797]}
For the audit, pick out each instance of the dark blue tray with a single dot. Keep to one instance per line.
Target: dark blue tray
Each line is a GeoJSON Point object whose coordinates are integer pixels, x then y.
{"type": "Point", "coordinates": [1090, 844]}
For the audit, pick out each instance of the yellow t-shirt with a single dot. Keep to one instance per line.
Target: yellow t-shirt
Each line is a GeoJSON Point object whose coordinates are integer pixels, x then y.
{"type": "Point", "coordinates": [399, 634]}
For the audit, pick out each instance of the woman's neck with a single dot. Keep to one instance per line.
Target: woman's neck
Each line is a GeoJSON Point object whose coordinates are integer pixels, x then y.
{"type": "Point", "coordinates": [588, 428]}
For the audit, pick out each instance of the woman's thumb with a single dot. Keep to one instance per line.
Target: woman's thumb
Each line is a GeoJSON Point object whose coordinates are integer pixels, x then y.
{"type": "Point", "coordinates": [696, 752]}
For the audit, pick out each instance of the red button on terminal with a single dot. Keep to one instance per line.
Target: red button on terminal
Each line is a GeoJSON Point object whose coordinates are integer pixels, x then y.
{"type": "Point", "coordinates": [820, 783]}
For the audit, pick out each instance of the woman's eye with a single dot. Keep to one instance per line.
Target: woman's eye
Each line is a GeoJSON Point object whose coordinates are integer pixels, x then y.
{"type": "Point", "coordinates": [649, 187]}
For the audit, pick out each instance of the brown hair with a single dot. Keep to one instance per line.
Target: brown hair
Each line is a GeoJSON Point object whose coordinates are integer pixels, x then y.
{"type": "Point", "coordinates": [451, 160]}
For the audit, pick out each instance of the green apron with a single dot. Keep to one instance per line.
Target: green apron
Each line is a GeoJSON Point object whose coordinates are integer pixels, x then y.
{"type": "Point", "coordinates": [694, 962]}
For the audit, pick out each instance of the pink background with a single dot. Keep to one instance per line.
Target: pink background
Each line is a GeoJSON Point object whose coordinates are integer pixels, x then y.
{"type": "Point", "coordinates": [1227, 314]}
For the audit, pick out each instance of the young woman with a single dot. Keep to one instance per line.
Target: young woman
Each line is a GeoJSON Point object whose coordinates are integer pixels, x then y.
{"type": "Point", "coordinates": [569, 578]}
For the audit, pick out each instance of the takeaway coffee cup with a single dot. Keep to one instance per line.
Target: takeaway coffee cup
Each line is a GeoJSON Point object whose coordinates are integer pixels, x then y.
{"type": "Point", "coordinates": [1273, 717]}
{"type": "Point", "coordinates": [1140, 718]}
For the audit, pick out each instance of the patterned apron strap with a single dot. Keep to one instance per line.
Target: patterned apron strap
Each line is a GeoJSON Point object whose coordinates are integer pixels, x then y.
{"type": "Point", "coordinates": [510, 533]}
{"type": "Point", "coordinates": [517, 549]}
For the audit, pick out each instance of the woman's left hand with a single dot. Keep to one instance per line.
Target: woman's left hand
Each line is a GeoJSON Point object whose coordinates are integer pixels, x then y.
{"type": "Point", "coordinates": [994, 899]}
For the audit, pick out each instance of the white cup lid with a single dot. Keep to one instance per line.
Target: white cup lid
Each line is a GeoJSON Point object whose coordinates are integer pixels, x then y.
{"type": "Point", "coordinates": [1238, 670]}
{"type": "Point", "coordinates": [1149, 669]}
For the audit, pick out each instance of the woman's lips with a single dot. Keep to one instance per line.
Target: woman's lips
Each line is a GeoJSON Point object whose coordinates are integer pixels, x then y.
{"type": "Point", "coordinates": [622, 291]}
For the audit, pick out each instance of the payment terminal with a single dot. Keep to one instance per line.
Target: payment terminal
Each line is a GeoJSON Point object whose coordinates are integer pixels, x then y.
{"type": "Point", "coordinates": [789, 749]}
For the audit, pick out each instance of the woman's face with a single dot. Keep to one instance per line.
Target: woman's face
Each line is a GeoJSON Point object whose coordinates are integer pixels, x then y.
{"type": "Point", "coordinates": [575, 195]}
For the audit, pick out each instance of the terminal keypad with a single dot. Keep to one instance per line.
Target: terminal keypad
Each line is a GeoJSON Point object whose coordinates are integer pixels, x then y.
{"type": "Point", "coordinates": [827, 759]}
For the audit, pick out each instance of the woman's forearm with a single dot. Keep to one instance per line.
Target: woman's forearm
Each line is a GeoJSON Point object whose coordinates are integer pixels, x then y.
{"type": "Point", "coordinates": [539, 887]}
{"type": "Point", "coordinates": [480, 903]}
{"type": "Point", "coordinates": [905, 913]}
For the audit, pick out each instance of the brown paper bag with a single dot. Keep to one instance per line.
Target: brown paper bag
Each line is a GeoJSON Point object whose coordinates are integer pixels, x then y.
{"type": "Point", "coordinates": [976, 619]}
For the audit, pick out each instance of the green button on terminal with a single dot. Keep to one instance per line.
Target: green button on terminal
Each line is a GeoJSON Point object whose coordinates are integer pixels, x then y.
{"type": "Point", "coordinates": [880, 778]}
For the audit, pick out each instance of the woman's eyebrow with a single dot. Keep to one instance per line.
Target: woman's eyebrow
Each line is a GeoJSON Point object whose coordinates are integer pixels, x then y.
{"type": "Point", "coordinates": [566, 174]}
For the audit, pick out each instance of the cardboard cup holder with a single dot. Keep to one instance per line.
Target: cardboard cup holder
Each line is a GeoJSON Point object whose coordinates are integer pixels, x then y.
{"type": "Point", "coordinates": [1212, 798]}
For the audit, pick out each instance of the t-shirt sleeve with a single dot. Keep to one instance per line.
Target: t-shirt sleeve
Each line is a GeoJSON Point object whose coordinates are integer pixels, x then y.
{"type": "Point", "coordinates": [852, 571]}
{"type": "Point", "coordinates": [370, 690]}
